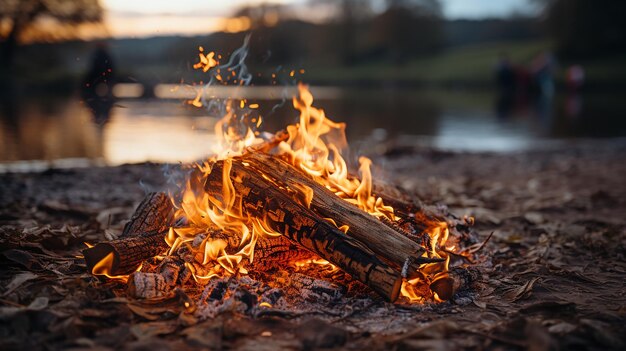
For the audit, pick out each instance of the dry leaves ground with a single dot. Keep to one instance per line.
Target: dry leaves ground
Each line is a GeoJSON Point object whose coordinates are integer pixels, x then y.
{"type": "Point", "coordinates": [551, 276]}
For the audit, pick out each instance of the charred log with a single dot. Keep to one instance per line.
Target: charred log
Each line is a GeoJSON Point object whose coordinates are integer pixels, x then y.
{"type": "Point", "coordinates": [154, 213]}
{"type": "Point", "coordinates": [265, 200]}
{"type": "Point", "coordinates": [380, 238]}
{"type": "Point", "coordinates": [124, 256]}
{"type": "Point", "coordinates": [269, 252]}
{"type": "Point", "coordinates": [143, 237]}
{"type": "Point", "coordinates": [453, 281]}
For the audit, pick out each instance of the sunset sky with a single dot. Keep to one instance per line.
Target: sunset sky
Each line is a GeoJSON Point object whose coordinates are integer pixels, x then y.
{"type": "Point", "coordinates": [127, 18]}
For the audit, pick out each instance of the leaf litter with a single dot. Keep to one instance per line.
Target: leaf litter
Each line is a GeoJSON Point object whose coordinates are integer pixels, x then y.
{"type": "Point", "coordinates": [551, 273]}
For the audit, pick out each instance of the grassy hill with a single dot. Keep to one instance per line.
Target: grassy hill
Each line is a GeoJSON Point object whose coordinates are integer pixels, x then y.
{"type": "Point", "coordinates": [468, 65]}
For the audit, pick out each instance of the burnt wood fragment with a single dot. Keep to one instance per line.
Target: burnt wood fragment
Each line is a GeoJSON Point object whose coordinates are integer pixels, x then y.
{"type": "Point", "coordinates": [147, 285]}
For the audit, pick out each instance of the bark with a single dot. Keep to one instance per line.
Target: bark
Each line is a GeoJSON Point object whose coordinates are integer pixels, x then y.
{"type": "Point", "coordinates": [128, 253]}
{"type": "Point", "coordinates": [453, 281]}
{"type": "Point", "coordinates": [382, 239]}
{"type": "Point", "coordinates": [143, 237]}
{"type": "Point", "coordinates": [265, 200]}
{"type": "Point", "coordinates": [269, 252]}
{"type": "Point", "coordinates": [154, 213]}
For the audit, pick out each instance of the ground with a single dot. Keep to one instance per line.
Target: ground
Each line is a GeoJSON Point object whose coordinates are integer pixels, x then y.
{"type": "Point", "coordinates": [550, 277]}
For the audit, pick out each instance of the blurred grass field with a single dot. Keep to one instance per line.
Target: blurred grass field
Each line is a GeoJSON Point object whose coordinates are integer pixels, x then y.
{"type": "Point", "coordinates": [468, 65]}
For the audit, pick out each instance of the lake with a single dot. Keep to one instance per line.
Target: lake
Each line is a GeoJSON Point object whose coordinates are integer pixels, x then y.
{"type": "Point", "coordinates": [37, 132]}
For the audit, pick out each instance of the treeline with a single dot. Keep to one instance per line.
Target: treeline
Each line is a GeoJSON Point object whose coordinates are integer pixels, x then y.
{"type": "Point", "coordinates": [347, 32]}
{"type": "Point", "coordinates": [333, 34]}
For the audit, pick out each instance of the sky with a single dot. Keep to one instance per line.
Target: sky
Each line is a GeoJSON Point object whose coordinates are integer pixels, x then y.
{"type": "Point", "coordinates": [136, 18]}
{"type": "Point", "coordinates": [483, 8]}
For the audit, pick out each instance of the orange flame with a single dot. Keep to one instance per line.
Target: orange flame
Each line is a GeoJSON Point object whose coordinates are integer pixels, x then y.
{"type": "Point", "coordinates": [206, 61]}
{"type": "Point", "coordinates": [104, 267]}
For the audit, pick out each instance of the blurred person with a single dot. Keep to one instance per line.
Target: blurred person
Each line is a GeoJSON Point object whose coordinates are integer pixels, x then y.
{"type": "Point", "coordinates": [522, 83]}
{"type": "Point", "coordinates": [543, 73]}
{"type": "Point", "coordinates": [575, 78]}
{"type": "Point", "coordinates": [97, 86]}
{"type": "Point", "coordinates": [505, 83]}
{"type": "Point", "coordinates": [574, 81]}
{"type": "Point", "coordinates": [505, 74]}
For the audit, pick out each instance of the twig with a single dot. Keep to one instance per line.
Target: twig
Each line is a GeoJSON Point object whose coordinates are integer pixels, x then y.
{"type": "Point", "coordinates": [483, 244]}
{"type": "Point", "coordinates": [8, 302]}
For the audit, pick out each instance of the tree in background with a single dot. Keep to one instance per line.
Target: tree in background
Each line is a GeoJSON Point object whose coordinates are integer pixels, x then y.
{"type": "Point", "coordinates": [586, 28]}
{"type": "Point", "coordinates": [409, 28]}
{"type": "Point", "coordinates": [404, 29]}
{"type": "Point", "coordinates": [347, 20]}
{"type": "Point", "coordinates": [263, 15]}
{"type": "Point", "coordinates": [19, 16]}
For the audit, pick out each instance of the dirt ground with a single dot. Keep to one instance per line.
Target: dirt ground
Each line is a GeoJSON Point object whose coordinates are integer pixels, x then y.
{"type": "Point", "coordinates": [552, 276]}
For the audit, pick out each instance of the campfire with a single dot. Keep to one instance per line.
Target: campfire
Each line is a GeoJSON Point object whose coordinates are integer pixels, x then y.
{"type": "Point", "coordinates": [284, 202]}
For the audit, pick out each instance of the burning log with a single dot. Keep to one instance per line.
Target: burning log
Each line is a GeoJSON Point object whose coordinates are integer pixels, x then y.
{"type": "Point", "coordinates": [264, 199]}
{"type": "Point", "coordinates": [382, 239]}
{"type": "Point", "coordinates": [142, 238]}
{"type": "Point", "coordinates": [449, 283]}
{"type": "Point", "coordinates": [154, 213]}
{"type": "Point", "coordinates": [269, 252]}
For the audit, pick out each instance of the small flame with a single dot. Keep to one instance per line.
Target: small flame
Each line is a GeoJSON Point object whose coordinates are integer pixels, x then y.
{"type": "Point", "coordinates": [207, 61]}
{"type": "Point", "coordinates": [105, 267]}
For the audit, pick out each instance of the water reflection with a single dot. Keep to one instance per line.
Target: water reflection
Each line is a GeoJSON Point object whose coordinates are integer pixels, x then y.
{"type": "Point", "coordinates": [168, 130]}
{"type": "Point", "coordinates": [97, 86]}
{"type": "Point", "coordinates": [47, 129]}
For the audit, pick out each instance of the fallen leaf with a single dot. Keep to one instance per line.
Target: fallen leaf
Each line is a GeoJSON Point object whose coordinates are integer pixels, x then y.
{"type": "Point", "coordinates": [38, 304]}
{"type": "Point", "coordinates": [147, 313]}
{"type": "Point", "coordinates": [19, 280]}
{"type": "Point", "coordinates": [534, 217]}
{"type": "Point", "coordinates": [480, 304]}
{"type": "Point", "coordinates": [23, 258]}
{"type": "Point", "coordinates": [562, 328]}
{"type": "Point", "coordinates": [521, 292]}
{"type": "Point", "coordinates": [149, 329]}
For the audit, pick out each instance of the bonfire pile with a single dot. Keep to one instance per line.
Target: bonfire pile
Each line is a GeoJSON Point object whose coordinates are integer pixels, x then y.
{"type": "Point", "coordinates": [286, 199]}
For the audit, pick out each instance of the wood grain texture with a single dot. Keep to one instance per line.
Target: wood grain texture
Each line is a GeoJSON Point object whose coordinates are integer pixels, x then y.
{"type": "Point", "coordinates": [262, 198]}
{"type": "Point", "coordinates": [154, 213]}
{"type": "Point", "coordinates": [380, 238]}
{"type": "Point", "coordinates": [143, 237]}
{"type": "Point", "coordinates": [269, 252]}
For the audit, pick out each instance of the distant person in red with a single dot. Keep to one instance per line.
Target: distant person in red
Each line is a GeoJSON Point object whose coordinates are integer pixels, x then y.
{"type": "Point", "coordinates": [575, 78]}
{"type": "Point", "coordinates": [97, 86]}
{"type": "Point", "coordinates": [523, 82]}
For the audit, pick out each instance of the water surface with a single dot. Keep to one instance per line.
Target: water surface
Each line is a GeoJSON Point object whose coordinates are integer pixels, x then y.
{"type": "Point", "coordinates": [61, 130]}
